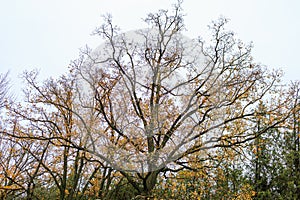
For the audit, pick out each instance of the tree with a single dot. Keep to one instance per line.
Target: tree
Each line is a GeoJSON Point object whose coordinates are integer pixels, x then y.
{"type": "Point", "coordinates": [288, 174]}
{"type": "Point", "coordinates": [4, 87]}
{"type": "Point", "coordinates": [155, 97]}
{"type": "Point", "coordinates": [264, 152]}
{"type": "Point", "coordinates": [221, 177]}
{"type": "Point", "coordinates": [58, 168]}
{"type": "Point", "coordinates": [270, 170]}
{"type": "Point", "coordinates": [294, 140]}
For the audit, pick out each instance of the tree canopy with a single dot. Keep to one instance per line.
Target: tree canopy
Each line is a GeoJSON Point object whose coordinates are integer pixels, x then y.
{"type": "Point", "coordinates": [152, 113]}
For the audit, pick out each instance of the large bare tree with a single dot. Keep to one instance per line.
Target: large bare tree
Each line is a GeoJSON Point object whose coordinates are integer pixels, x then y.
{"type": "Point", "coordinates": [149, 98]}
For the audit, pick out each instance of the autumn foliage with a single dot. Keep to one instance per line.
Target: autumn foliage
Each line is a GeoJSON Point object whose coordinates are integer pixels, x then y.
{"type": "Point", "coordinates": [153, 114]}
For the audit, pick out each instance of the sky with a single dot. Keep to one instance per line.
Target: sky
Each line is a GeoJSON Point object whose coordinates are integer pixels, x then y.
{"type": "Point", "coordinates": [47, 34]}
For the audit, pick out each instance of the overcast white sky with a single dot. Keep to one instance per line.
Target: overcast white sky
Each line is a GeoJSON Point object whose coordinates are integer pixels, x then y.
{"type": "Point", "coordinates": [47, 34]}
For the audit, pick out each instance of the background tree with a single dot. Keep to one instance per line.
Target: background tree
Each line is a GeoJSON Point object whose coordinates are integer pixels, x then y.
{"type": "Point", "coordinates": [293, 147]}
{"type": "Point", "coordinates": [270, 168]}
{"type": "Point", "coordinates": [264, 152]}
{"type": "Point", "coordinates": [4, 87]}
{"type": "Point", "coordinates": [288, 149]}
{"type": "Point", "coordinates": [60, 168]}
{"type": "Point", "coordinates": [221, 177]}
